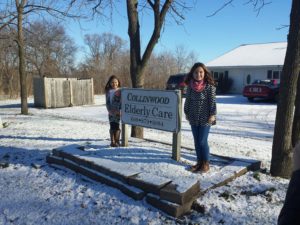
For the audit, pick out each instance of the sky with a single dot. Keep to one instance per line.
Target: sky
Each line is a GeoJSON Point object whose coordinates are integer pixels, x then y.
{"type": "Point", "coordinates": [207, 36]}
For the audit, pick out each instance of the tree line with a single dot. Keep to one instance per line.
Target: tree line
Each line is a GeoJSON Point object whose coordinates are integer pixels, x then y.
{"type": "Point", "coordinates": [51, 52]}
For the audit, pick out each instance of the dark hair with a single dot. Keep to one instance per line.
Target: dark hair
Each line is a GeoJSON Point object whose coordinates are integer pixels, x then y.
{"type": "Point", "coordinates": [207, 75]}
{"type": "Point", "coordinates": [108, 86]}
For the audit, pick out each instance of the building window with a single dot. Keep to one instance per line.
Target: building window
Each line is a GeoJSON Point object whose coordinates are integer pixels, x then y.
{"type": "Point", "coordinates": [220, 75]}
{"type": "Point", "coordinates": [274, 74]}
{"type": "Point", "coordinates": [216, 75]}
{"type": "Point", "coordinates": [226, 74]}
{"type": "Point", "coordinates": [269, 74]}
{"type": "Point", "coordinates": [248, 79]}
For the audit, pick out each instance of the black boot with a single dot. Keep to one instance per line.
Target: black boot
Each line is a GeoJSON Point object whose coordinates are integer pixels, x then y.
{"type": "Point", "coordinates": [117, 137]}
{"type": "Point", "coordinates": [112, 139]}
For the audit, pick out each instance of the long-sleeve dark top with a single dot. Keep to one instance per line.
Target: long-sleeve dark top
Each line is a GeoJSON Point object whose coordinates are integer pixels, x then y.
{"type": "Point", "coordinates": [290, 212]}
{"type": "Point", "coordinates": [199, 106]}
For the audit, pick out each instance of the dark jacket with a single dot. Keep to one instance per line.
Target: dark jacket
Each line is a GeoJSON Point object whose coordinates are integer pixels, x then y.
{"type": "Point", "coordinates": [290, 212]}
{"type": "Point", "coordinates": [199, 106]}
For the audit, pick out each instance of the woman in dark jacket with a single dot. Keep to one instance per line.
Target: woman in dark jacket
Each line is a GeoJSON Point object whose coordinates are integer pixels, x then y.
{"type": "Point", "coordinates": [200, 110]}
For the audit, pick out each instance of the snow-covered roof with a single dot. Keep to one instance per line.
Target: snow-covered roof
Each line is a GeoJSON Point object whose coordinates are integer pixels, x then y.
{"type": "Point", "coordinates": [266, 54]}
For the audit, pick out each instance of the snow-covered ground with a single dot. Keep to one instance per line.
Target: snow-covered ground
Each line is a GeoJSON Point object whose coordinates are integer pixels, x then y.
{"type": "Point", "coordinates": [32, 192]}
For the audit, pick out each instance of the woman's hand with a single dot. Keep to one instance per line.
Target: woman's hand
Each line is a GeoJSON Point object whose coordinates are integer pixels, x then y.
{"type": "Point", "coordinates": [187, 118]}
{"type": "Point", "coordinates": [211, 119]}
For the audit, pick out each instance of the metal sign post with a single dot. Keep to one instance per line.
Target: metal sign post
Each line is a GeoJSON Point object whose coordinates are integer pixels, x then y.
{"type": "Point", "coordinates": [176, 145]}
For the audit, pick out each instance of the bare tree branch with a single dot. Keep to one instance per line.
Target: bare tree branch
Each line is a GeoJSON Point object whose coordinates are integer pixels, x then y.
{"type": "Point", "coordinates": [8, 22]}
{"type": "Point", "coordinates": [178, 10]}
{"type": "Point", "coordinates": [258, 5]}
{"type": "Point", "coordinates": [282, 27]}
{"type": "Point", "coordinates": [151, 3]}
{"type": "Point", "coordinates": [159, 17]}
{"type": "Point", "coordinates": [50, 10]}
{"type": "Point", "coordinates": [221, 8]}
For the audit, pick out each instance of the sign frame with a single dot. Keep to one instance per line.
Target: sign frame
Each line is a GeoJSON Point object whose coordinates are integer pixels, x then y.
{"type": "Point", "coordinates": [155, 109]}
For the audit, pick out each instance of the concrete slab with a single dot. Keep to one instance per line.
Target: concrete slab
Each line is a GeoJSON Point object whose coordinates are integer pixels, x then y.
{"type": "Point", "coordinates": [148, 182]}
{"type": "Point", "coordinates": [228, 172]}
{"type": "Point", "coordinates": [170, 208]}
{"type": "Point", "coordinates": [131, 191]}
{"type": "Point", "coordinates": [92, 161]}
{"type": "Point", "coordinates": [134, 171]}
{"type": "Point", "coordinates": [173, 193]}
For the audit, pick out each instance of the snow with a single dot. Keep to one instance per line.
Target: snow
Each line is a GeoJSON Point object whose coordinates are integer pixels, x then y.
{"type": "Point", "coordinates": [267, 54]}
{"type": "Point", "coordinates": [33, 192]}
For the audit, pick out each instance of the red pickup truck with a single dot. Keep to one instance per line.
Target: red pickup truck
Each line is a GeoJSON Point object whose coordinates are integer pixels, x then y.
{"type": "Point", "coordinates": [263, 89]}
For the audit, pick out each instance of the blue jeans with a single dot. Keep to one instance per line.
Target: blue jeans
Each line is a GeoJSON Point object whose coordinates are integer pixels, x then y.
{"type": "Point", "coordinates": [200, 134]}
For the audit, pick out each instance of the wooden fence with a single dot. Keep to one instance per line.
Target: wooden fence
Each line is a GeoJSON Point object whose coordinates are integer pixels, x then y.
{"type": "Point", "coordinates": [62, 92]}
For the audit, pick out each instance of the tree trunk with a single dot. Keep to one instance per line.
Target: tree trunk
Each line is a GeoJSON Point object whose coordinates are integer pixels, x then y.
{"type": "Point", "coordinates": [20, 41]}
{"type": "Point", "coordinates": [281, 163]}
{"type": "Point", "coordinates": [135, 55]}
{"type": "Point", "coordinates": [138, 62]}
{"type": "Point", "coordinates": [296, 122]}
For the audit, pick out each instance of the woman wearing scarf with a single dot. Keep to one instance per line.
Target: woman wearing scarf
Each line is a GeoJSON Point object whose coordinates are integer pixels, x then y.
{"type": "Point", "coordinates": [200, 110]}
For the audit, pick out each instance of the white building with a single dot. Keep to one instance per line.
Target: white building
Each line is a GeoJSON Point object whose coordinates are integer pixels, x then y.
{"type": "Point", "coordinates": [250, 62]}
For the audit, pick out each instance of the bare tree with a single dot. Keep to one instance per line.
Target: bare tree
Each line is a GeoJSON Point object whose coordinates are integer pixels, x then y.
{"type": "Point", "coordinates": [138, 61]}
{"type": "Point", "coordinates": [20, 43]}
{"type": "Point", "coordinates": [93, 41]}
{"type": "Point", "coordinates": [106, 53]}
{"type": "Point", "coordinates": [164, 64]}
{"type": "Point", "coordinates": [184, 59]}
{"type": "Point", "coordinates": [16, 13]}
{"type": "Point", "coordinates": [112, 46]}
{"type": "Point", "coordinates": [108, 50]}
{"type": "Point", "coordinates": [8, 65]}
{"type": "Point", "coordinates": [49, 50]}
{"type": "Point", "coordinates": [287, 131]}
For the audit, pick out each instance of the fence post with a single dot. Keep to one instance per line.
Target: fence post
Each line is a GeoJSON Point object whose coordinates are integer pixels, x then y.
{"type": "Point", "coordinates": [92, 88]}
{"type": "Point", "coordinates": [45, 86]}
{"type": "Point", "coordinates": [71, 92]}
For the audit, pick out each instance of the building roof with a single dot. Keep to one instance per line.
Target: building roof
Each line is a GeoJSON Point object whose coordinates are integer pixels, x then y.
{"type": "Point", "coordinates": [266, 54]}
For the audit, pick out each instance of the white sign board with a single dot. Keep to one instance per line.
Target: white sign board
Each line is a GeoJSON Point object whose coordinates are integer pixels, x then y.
{"type": "Point", "coordinates": [155, 109]}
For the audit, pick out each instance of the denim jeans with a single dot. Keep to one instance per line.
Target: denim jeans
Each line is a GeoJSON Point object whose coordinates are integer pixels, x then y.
{"type": "Point", "coordinates": [200, 134]}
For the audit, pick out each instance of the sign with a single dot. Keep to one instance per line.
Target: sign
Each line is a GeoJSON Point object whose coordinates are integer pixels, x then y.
{"type": "Point", "coordinates": [155, 109]}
